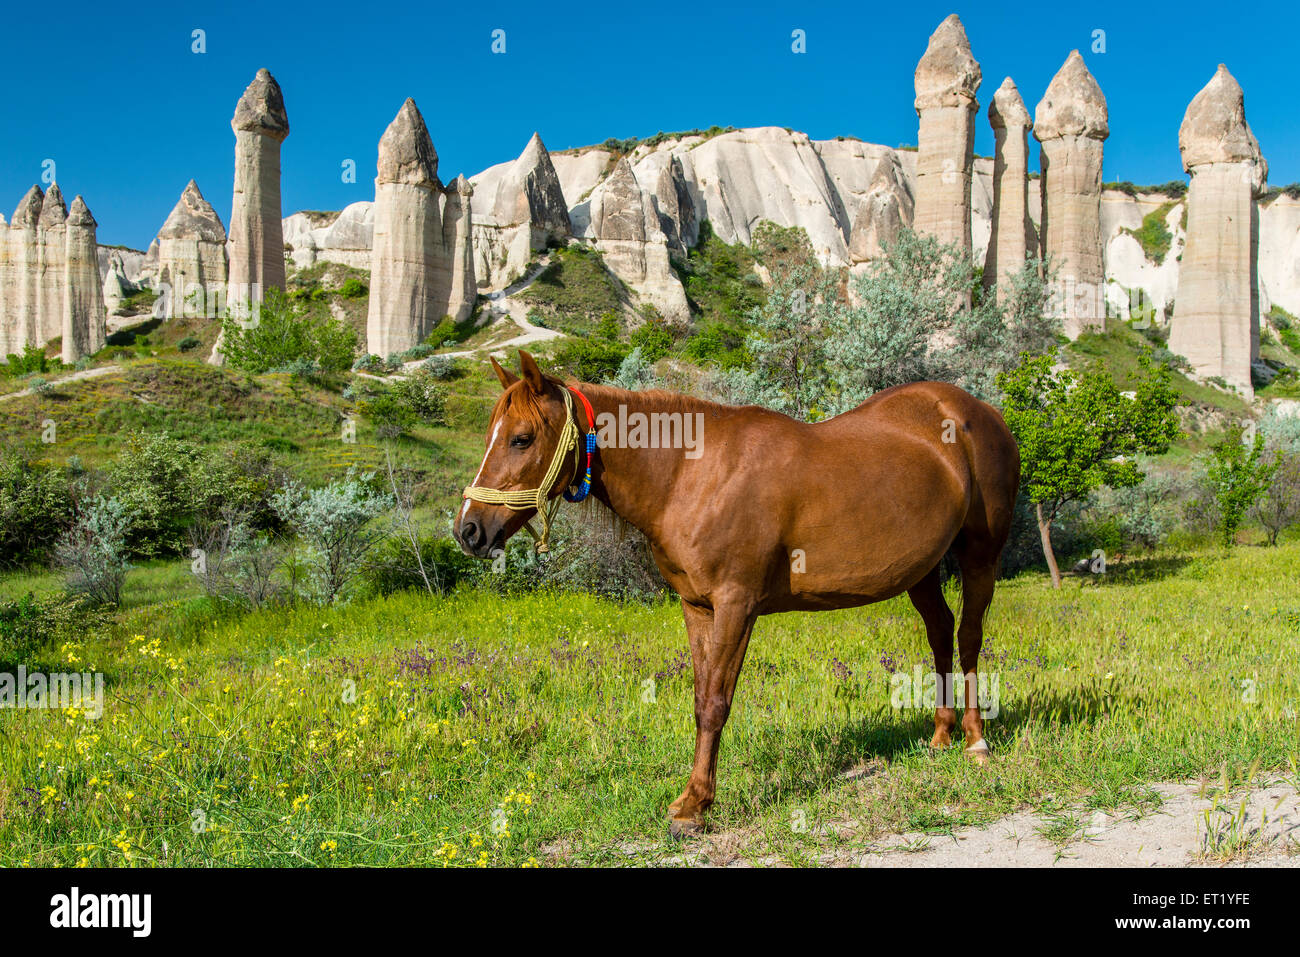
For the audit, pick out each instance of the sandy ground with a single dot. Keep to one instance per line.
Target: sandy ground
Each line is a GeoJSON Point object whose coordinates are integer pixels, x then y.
{"type": "Point", "coordinates": [1186, 828]}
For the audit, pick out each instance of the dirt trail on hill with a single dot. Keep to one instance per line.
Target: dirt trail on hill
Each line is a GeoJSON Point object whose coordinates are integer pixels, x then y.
{"type": "Point", "coordinates": [501, 305]}
{"type": "Point", "coordinates": [73, 377]}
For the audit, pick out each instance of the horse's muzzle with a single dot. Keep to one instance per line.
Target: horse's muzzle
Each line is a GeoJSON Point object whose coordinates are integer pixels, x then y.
{"type": "Point", "coordinates": [476, 537]}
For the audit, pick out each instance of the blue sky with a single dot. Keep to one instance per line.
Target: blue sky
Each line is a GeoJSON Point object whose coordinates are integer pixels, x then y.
{"type": "Point", "coordinates": [129, 114]}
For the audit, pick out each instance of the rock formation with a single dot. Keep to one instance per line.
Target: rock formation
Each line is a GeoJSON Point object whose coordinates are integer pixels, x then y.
{"type": "Point", "coordinates": [1012, 239]}
{"type": "Point", "coordinates": [886, 208]}
{"type": "Point", "coordinates": [458, 239]}
{"type": "Point", "coordinates": [947, 78]}
{"type": "Point", "coordinates": [672, 200]}
{"type": "Point", "coordinates": [345, 237]}
{"type": "Point", "coordinates": [421, 240]}
{"type": "Point", "coordinates": [192, 256]}
{"type": "Point", "coordinates": [20, 322]}
{"type": "Point", "coordinates": [116, 286]}
{"type": "Point", "coordinates": [1216, 311]}
{"type": "Point", "coordinates": [51, 240]}
{"type": "Point", "coordinates": [82, 325]}
{"type": "Point", "coordinates": [525, 212]}
{"type": "Point", "coordinates": [256, 244]}
{"type": "Point", "coordinates": [1070, 123]}
{"type": "Point", "coordinates": [634, 247]}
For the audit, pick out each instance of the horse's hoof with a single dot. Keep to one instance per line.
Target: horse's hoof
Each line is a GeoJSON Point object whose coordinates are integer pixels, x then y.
{"type": "Point", "coordinates": [680, 828]}
{"type": "Point", "coordinates": [979, 752]}
{"type": "Point", "coordinates": [940, 741]}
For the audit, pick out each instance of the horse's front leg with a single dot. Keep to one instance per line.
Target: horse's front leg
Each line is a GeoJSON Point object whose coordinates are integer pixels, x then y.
{"type": "Point", "coordinates": [718, 640]}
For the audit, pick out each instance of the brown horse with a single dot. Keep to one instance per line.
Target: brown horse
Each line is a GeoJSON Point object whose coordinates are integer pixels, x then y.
{"type": "Point", "coordinates": [749, 512]}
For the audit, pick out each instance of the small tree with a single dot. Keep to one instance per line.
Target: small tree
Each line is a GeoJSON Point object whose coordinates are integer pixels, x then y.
{"type": "Point", "coordinates": [1239, 474]}
{"type": "Point", "coordinates": [1078, 432]}
{"type": "Point", "coordinates": [334, 523]}
{"type": "Point", "coordinates": [1279, 507]}
{"type": "Point", "coordinates": [788, 339]}
{"type": "Point", "coordinates": [93, 550]}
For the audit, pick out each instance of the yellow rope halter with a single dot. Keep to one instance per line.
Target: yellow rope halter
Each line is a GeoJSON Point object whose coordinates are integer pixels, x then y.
{"type": "Point", "coordinates": [536, 497]}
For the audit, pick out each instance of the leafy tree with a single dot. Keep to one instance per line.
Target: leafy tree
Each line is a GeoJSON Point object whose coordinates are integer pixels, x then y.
{"type": "Point", "coordinates": [1077, 433]}
{"type": "Point", "coordinates": [788, 340]}
{"type": "Point", "coordinates": [288, 330]}
{"type": "Point", "coordinates": [916, 291]}
{"type": "Point", "coordinates": [1239, 474]}
{"type": "Point", "coordinates": [920, 313]}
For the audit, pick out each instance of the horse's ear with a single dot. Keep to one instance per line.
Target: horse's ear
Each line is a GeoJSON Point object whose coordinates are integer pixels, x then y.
{"type": "Point", "coordinates": [532, 374]}
{"type": "Point", "coordinates": [507, 377]}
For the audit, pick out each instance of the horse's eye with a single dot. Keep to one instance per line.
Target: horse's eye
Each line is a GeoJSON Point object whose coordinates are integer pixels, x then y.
{"type": "Point", "coordinates": [521, 441]}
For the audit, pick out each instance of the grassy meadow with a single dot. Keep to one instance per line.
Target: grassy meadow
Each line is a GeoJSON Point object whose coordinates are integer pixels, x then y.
{"type": "Point", "coordinates": [550, 728]}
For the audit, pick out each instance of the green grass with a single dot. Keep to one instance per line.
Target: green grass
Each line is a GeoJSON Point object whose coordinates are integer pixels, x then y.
{"type": "Point", "coordinates": [719, 278]}
{"type": "Point", "coordinates": [300, 420]}
{"type": "Point", "coordinates": [1154, 235]}
{"type": "Point", "coordinates": [415, 730]}
{"type": "Point", "coordinates": [575, 291]}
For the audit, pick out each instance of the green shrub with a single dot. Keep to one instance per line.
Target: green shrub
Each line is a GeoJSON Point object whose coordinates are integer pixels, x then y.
{"type": "Point", "coordinates": [35, 505]}
{"type": "Point", "coordinates": [166, 484]}
{"type": "Point", "coordinates": [33, 359]}
{"type": "Point", "coordinates": [389, 413]}
{"type": "Point", "coordinates": [1239, 475]}
{"type": "Point", "coordinates": [353, 288]}
{"type": "Point", "coordinates": [189, 343]}
{"type": "Point", "coordinates": [422, 393]}
{"type": "Point", "coordinates": [287, 330]}
{"type": "Point", "coordinates": [654, 338]}
{"type": "Point", "coordinates": [719, 342]}
{"type": "Point", "coordinates": [591, 360]}
{"type": "Point", "coordinates": [32, 625]}
{"type": "Point", "coordinates": [392, 567]}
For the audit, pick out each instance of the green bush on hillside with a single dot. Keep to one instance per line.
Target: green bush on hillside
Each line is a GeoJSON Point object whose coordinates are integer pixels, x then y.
{"type": "Point", "coordinates": [35, 505]}
{"type": "Point", "coordinates": [288, 330]}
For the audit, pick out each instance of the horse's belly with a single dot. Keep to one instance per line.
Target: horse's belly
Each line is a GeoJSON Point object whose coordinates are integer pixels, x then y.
{"type": "Point", "coordinates": [867, 544]}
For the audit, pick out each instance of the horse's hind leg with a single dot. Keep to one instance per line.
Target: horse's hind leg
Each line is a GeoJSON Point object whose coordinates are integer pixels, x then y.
{"type": "Point", "coordinates": [927, 598]}
{"type": "Point", "coordinates": [978, 576]}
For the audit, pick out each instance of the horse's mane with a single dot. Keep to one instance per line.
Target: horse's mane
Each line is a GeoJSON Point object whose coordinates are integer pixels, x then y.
{"type": "Point", "coordinates": [657, 400]}
{"type": "Point", "coordinates": [527, 403]}
{"type": "Point", "coordinates": [524, 401]}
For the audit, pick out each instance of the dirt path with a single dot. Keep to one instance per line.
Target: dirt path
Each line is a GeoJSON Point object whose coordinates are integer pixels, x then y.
{"type": "Point", "coordinates": [1184, 825]}
{"type": "Point", "coordinates": [1187, 828]}
{"type": "Point", "coordinates": [502, 305]}
{"type": "Point", "coordinates": [72, 377]}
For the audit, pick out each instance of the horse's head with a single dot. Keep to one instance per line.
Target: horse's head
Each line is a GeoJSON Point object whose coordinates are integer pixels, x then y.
{"type": "Point", "coordinates": [528, 425]}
